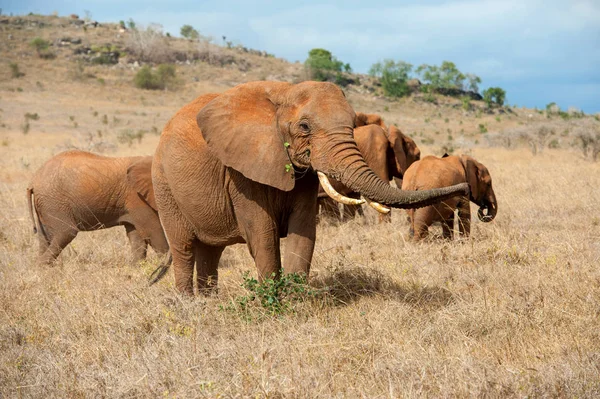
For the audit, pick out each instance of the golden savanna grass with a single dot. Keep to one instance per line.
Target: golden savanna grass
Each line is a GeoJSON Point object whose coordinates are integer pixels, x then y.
{"type": "Point", "coordinates": [512, 311]}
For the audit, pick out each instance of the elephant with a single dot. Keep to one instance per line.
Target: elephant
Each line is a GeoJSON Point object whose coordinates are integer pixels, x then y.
{"type": "Point", "coordinates": [80, 191]}
{"type": "Point", "coordinates": [388, 153]}
{"type": "Point", "coordinates": [431, 172]}
{"type": "Point", "coordinates": [244, 166]}
{"type": "Point", "coordinates": [363, 119]}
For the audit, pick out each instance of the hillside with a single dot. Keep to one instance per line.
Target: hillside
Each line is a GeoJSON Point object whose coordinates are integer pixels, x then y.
{"type": "Point", "coordinates": [510, 312]}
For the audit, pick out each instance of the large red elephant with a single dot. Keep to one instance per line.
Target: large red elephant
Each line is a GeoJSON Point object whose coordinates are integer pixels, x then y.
{"type": "Point", "coordinates": [242, 166]}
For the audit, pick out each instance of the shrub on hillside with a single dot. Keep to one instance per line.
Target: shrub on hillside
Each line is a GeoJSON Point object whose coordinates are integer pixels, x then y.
{"type": "Point", "coordinates": [15, 73]}
{"type": "Point", "coordinates": [162, 78]}
{"type": "Point", "coordinates": [149, 45]}
{"type": "Point", "coordinates": [494, 95]}
{"type": "Point", "coordinates": [393, 77]}
{"type": "Point", "coordinates": [322, 65]}
{"type": "Point", "coordinates": [42, 48]}
{"type": "Point", "coordinates": [189, 32]}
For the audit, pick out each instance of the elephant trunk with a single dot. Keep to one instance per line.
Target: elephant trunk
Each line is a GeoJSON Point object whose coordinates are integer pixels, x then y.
{"type": "Point", "coordinates": [340, 159]}
{"type": "Point", "coordinates": [490, 206]}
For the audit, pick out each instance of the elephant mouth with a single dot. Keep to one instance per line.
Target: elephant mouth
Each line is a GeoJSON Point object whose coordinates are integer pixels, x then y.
{"type": "Point", "coordinates": [328, 188]}
{"type": "Point", "coordinates": [486, 212]}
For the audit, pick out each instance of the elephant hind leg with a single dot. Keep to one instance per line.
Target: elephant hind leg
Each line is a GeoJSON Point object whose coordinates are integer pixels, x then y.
{"type": "Point", "coordinates": [57, 243]}
{"type": "Point", "coordinates": [139, 246]}
{"type": "Point", "coordinates": [207, 262]}
{"type": "Point", "coordinates": [421, 220]}
{"type": "Point", "coordinates": [448, 227]}
{"type": "Point", "coordinates": [44, 243]}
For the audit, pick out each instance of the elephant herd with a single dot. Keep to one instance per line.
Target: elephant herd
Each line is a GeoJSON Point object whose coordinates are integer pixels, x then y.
{"type": "Point", "coordinates": [244, 166]}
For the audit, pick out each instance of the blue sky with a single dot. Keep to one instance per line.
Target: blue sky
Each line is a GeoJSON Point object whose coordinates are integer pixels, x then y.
{"type": "Point", "coordinates": [538, 51]}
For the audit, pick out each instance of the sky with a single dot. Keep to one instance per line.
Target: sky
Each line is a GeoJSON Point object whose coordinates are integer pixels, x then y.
{"type": "Point", "coordinates": [538, 51]}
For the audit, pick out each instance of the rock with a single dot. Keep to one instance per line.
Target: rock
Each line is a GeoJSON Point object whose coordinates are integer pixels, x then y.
{"type": "Point", "coordinates": [76, 41]}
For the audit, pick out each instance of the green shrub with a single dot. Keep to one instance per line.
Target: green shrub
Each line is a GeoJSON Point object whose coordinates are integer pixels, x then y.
{"type": "Point", "coordinates": [189, 32]}
{"type": "Point", "coordinates": [42, 47]}
{"type": "Point", "coordinates": [322, 65]}
{"type": "Point", "coordinates": [163, 78]}
{"type": "Point", "coordinates": [275, 295]}
{"type": "Point", "coordinates": [466, 102]}
{"type": "Point", "coordinates": [393, 77]}
{"type": "Point", "coordinates": [14, 70]}
{"type": "Point", "coordinates": [494, 95]}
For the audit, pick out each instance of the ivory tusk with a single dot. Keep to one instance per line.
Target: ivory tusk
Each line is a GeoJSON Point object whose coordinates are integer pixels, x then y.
{"type": "Point", "coordinates": [334, 194]}
{"type": "Point", "coordinates": [377, 206]}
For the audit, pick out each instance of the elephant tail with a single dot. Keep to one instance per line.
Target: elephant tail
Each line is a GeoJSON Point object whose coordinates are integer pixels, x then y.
{"type": "Point", "coordinates": [161, 270]}
{"type": "Point", "coordinates": [31, 205]}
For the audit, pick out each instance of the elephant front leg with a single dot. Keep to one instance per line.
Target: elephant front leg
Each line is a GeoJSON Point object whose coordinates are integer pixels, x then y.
{"type": "Point", "coordinates": [464, 218]}
{"type": "Point", "coordinates": [300, 242]}
{"type": "Point", "coordinates": [264, 248]}
{"type": "Point", "coordinates": [139, 246]}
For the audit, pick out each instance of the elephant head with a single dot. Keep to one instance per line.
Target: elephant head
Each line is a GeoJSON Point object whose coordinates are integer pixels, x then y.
{"type": "Point", "coordinates": [363, 119]}
{"type": "Point", "coordinates": [275, 132]}
{"type": "Point", "coordinates": [482, 193]}
{"type": "Point", "coordinates": [405, 152]}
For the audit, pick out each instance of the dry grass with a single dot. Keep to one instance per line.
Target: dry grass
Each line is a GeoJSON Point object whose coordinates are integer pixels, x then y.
{"type": "Point", "coordinates": [512, 312]}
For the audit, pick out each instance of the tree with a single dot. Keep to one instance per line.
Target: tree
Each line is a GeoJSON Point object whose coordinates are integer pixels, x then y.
{"type": "Point", "coordinates": [447, 76]}
{"type": "Point", "coordinates": [320, 63]}
{"type": "Point", "coordinates": [189, 32]}
{"type": "Point", "coordinates": [474, 82]}
{"type": "Point", "coordinates": [494, 95]}
{"type": "Point", "coordinates": [393, 76]}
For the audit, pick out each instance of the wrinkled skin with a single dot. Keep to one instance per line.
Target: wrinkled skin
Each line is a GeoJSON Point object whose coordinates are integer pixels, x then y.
{"type": "Point", "coordinates": [79, 191]}
{"type": "Point", "coordinates": [240, 167]}
{"type": "Point", "coordinates": [432, 172]}
{"type": "Point", "coordinates": [387, 152]}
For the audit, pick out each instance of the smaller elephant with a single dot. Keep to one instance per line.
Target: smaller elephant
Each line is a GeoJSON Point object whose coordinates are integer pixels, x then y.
{"type": "Point", "coordinates": [432, 172]}
{"type": "Point", "coordinates": [388, 152]}
{"type": "Point", "coordinates": [80, 191]}
{"type": "Point", "coordinates": [363, 119]}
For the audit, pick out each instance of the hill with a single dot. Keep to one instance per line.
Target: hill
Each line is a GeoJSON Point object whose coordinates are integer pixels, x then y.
{"type": "Point", "coordinates": [510, 312]}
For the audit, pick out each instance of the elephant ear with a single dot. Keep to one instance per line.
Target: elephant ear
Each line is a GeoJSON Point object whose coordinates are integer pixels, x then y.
{"type": "Point", "coordinates": [240, 128]}
{"type": "Point", "coordinates": [398, 144]}
{"type": "Point", "coordinates": [139, 177]}
{"type": "Point", "coordinates": [472, 175]}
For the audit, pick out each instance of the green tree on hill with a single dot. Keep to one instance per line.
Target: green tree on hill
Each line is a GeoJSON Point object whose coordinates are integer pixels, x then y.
{"type": "Point", "coordinates": [321, 63]}
{"type": "Point", "coordinates": [393, 76]}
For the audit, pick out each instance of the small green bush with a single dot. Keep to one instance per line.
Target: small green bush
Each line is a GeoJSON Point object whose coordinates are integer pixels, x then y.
{"type": "Point", "coordinates": [275, 295]}
{"type": "Point", "coordinates": [42, 47]}
{"type": "Point", "coordinates": [15, 73]}
{"type": "Point", "coordinates": [163, 78]}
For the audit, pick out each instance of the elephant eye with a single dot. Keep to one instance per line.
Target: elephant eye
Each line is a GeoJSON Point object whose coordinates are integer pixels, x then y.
{"type": "Point", "coordinates": [304, 127]}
